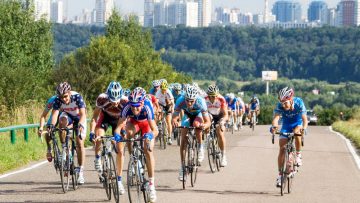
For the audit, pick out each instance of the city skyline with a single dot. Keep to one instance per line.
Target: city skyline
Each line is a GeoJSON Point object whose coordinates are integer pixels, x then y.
{"type": "Point", "coordinates": [137, 6]}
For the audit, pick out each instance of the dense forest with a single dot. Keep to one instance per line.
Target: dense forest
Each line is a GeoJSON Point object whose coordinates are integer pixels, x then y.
{"type": "Point", "coordinates": [328, 53]}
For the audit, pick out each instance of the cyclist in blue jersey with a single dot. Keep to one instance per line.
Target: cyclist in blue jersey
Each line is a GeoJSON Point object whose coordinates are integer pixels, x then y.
{"type": "Point", "coordinates": [156, 86]}
{"type": "Point", "coordinates": [71, 107]}
{"type": "Point", "coordinates": [127, 92]}
{"type": "Point", "coordinates": [48, 107]}
{"type": "Point", "coordinates": [196, 115]}
{"type": "Point", "coordinates": [231, 101]}
{"type": "Point", "coordinates": [176, 91]}
{"type": "Point", "coordinates": [138, 116]}
{"type": "Point", "coordinates": [254, 105]}
{"type": "Point", "coordinates": [293, 113]}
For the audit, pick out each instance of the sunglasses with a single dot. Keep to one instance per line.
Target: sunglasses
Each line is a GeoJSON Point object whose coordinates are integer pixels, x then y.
{"type": "Point", "coordinates": [285, 102]}
{"type": "Point", "coordinates": [64, 96]}
{"type": "Point", "coordinates": [189, 100]}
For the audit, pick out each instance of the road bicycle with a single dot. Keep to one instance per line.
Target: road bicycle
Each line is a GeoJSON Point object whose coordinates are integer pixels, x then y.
{"type": "Point", "coordinates": [108, 175]}
{"type": "Point", "coordinates": [163, 131]}
{"type": "Point", "coordinates": [289, 167]}
{"type": "Point", "coordinates": [214, 154]}
{"type": "Point", "coordinates": [190, 164]}
{"type": "Point", "coordinates": [253, 119]}
{"type": "Point", "coordinates": [65, 160]}
{"type": "Point", "coordinates": [137, 182]}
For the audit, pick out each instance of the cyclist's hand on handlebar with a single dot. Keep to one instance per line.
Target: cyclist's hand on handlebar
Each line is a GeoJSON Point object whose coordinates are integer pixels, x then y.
{"type": "Point", "coordinates": [175, 123]}
{"type": "Point", "coordinates": [118, 137]}
{"type": "Point", "coordinates": [149, 136]}
{"type": "Point", "coordinates": [273, 129]}
{"type": "Point", "coordinates": [304, 131]}
{"type": "Point", "coordinates": [91, 137]}
{"type": "Point", "coordinates": [40, 132]}
{"type": "Point", "coordinates": [50, 127]}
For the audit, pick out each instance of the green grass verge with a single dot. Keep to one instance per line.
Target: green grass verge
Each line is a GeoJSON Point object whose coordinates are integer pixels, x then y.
{"type": "Point", "coordinates": [350, 129]}
{"type": "Point", "coordinates": [21, 153]}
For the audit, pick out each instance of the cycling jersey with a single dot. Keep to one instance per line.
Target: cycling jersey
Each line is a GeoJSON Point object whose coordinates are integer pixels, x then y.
{"type": "Point", "coordinates": [241, 104]}
{"type": "Point", "coordinates": [215, 107]}
{"type": "Point", "coordinates": [162, 97]}
{"type": "Point", "coordinates": [140, 121]}
{"type": "Point", "coordinates": [176, 94]}
{"type": "Point", "coordinates": [152, 98]}
{"type": "Point", "coordinates": [49, 106]}
{"type": "Point", "coordinates": [291, 118]}
{"type": "Point", "coordinates": [107, 107]}
{"type": "Point", "coordinates": [231, 103]}
{"type": "Point", "coordinates": [153, 91]}
{"type": "Point", "coordinates": [147, 112]}
{"type": "Point", "coordinates": [253, 105]}
{"type": "Point", "coordinates": [199, 106]}
{"type": "Point", "coordinates": [76, 102]}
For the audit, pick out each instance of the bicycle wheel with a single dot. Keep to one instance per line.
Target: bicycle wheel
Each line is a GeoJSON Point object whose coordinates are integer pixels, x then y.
{"type": "Point", "coordinates": [106, 175]}
{"type": "Point", "coordinates": [178, 136]}
{"type": "Point", "coordinates": [144, 183]}
{"type": "Point", "coordinates": [211, 155]}
{"type": "Point", "coordinates": [196, 163]}
{"type": "Point", "coordinates": [133, 181]}
{"type": "Point", "coordinates": [56, 155]}
{"type": "Point", "coordinates": [253, 122]}
{"type": "Point", "coordinates": [284, 174]}
{"type": "Point", "coordinates": [73, 167]}
{"type": "Point", "coordinates": [113, 178]}
{"type": "Point", "coordinates": [165, 134]}
{"type": "Point", "coordinates": [217, 153]}
{"type": "Point", "coordinates": [64, 170]}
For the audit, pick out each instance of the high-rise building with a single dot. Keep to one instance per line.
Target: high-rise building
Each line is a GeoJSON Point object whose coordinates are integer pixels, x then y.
{"type": "Point", "coordinates": [348, 13]}
{"type": "Point", "coordinates": [149, 13]}
{"type": "Point", "coordinates": [266, 11]}
{"type": "Point", "coordinates": [331, 18]}
{"type": "Point", "coordinates": [103, 10]}
{"type": "Point", "coordinates": [57, 11]}
{"type": "Point", "coordinates": [192, 14]}
{"type": "Point", "coordinates": [204, 11]}
{"type": "Point", "coordinates": [287, 11]}
{"type": "Point", "coordinates": [318, 11]}
{"type": "Point", "coordinates": [42, 9]}
{"type": "Point", "coordinates": [161, 13]}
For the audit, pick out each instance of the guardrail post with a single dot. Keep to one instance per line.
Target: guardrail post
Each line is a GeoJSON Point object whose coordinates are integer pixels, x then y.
{"type": "Point", "coordinates": [26, 134]}
{"type": "Point", "coordinates": [12, 136]}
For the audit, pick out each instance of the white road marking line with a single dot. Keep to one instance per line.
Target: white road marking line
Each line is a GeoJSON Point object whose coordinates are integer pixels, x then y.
{"type": "Point", "coordinates": [349, 146]}
{"type": "Point", "coordinates": [23, 170]}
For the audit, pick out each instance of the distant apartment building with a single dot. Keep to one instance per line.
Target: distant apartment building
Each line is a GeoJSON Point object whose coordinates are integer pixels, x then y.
{"type": "Point", "coordinates": [204, 12]}
{"type": "Point", "coordinates": [161, 13]}
{"type": "Point", "coordinates": [287, 11]}
{"type": "Point", "coordinates": [42, 9]}
{"type": "Point", "coordinates": [57, 11]}
{"type": "Point", "coordinates": [192, 14]}
{"type": "Point", "coordinates": [332, 17]}
{"type": "Point", "coordinates": [103, 10]}
{"type": "Point", "coordinates": [149, 13]}
{"type": "Point", "coordinates": [318, 11]}
{"type": "Point", "coordinates": [347, 13]}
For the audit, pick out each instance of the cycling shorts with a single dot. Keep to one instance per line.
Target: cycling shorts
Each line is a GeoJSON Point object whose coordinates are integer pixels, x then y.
{"type": "Point", "coordinates": [289, 128]}
{"type": "Point", "coordinates": [105, 120]}
{"type": "Point", "coordinates": [188, 119]}
{"type": "Point", "coordinates": [74, 120]}
{"type": "Point", "coordinates": [142, 126]}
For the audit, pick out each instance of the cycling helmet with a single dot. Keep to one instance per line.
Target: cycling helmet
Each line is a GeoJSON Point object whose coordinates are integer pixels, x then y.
{"type": "Point", "coordinates": [156, 83]}
{"type": "Point", "coordinates": [164, 85]}
{"type": "Point", "coordinates": [63, 88]}
{"type": "Point", "coordinates": [191, 92]}
{"type": "Point", "coordinates": [195, 84]}
{"type": "Point", "coordinates": [286, 94]}
{"type": "Point", "coordinates": [231, 96]}
{"type": "Point", "coordinates": [162, 80]}
{"type": "Point", "coordinates": [212, 90]}
{"type": "Point", "coordinates": [177, 86]}
{"type": "Point", "coordinates": [114, 91]}
{"type": "Point", "coordinates": [137, 96]}
{"type": "Point", "coordinates": [127, 92]}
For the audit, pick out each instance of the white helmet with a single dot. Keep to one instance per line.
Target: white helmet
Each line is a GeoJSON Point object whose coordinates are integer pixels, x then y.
{"type": "Point", "coordinates": [191, 92]}
{"type": "Point", "coordinates": [231, 96]}
{"type": "Point", "coordinates": [286, 94]}
{"type": "Point", "coordinates": [156, 83]}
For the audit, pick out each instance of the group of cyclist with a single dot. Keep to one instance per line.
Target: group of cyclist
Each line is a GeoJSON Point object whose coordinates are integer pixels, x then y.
{"type": "Point", "coordinates": [131, 112]}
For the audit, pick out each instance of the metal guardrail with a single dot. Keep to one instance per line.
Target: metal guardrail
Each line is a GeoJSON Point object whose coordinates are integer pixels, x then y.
{"type": "Point", "coordinates": [13, 129]}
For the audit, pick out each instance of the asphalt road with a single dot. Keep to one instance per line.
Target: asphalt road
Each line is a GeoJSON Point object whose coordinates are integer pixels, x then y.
{"type": "Point", "coordinates": [328, 174]}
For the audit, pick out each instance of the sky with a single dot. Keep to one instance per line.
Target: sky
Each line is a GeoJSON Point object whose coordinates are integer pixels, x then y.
{"type": "Point", "coordinates": [137, 6]}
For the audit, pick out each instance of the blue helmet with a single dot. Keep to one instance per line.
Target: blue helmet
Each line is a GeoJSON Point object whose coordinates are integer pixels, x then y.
{"type": "Point", "coordinates": [127, 92]}
{"type": "Point", "coordinates": [114, 91]}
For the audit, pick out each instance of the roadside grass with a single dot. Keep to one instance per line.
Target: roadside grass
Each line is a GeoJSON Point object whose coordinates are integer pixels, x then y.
{"type": "Point", "coordinates": [350, 129]}
{"type": "Point", "coordinates": [21, 153]}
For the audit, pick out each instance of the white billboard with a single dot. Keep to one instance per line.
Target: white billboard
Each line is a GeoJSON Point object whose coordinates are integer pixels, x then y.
{"type": "Point", "coordinates": [269, 75]}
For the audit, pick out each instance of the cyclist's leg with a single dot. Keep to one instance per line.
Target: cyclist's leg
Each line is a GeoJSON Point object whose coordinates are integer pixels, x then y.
{"type": "Point", "coordinates": [168, 124]}
{"type": "Point", "coordinates": [64, 121]}
{"type": "Point", "coordinates": [186, 123]}
{"type": "Point", "coordinates": [297, 130]}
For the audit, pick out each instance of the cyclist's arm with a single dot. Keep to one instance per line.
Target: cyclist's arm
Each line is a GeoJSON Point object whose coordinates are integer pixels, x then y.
{"type": "Point", "coordinates": [42, 119]}
{"type": "Point", "coordinates": [275, 122]}
{"type": "Point", "coordinates": [120, 125]}
{"type": "Point", "coordinates": [206, 118]}
{"type": "Point", "coordinates": [305, 121]}
{"type": "Point", "coordinates": [94, 119]}
{"type": "Point", "coordinates": [153, 127]}
{"type": "Point", "coordinates": [82, 113]}
{"type": "Point", "coordinates": [54, 116]}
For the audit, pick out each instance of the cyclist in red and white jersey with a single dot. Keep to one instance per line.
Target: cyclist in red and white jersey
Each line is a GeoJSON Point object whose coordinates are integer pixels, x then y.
{"type": "Point", "coordinates": [217, 107]}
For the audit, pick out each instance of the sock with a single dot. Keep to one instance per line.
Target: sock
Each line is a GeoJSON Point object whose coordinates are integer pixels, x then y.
{"type": "Point", "coordinates": [201, 146]}
{"type": "Point", "coordinates": [81, 168]}
{"type": "Point", "coordinates": [151, 180]}
{"type": "Point", "coordinates": [119, 178]}
{"type": "Point", "coordinates": [223, 152]}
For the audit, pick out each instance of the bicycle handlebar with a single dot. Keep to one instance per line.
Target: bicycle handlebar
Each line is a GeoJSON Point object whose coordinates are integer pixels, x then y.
{"type": "Point", "coordinates": [198, 128]}
{"type": "Point", "coordinates": [136, 140]}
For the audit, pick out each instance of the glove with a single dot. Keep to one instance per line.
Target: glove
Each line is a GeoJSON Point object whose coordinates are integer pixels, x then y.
{"type": "Point", "coordinates": [118, 137]}
{"type": "Point", "coordinates": [149, 136]}
{"type": "Point", "coordinates": [272, 128]}
{"type": "Point", "coordinates": [91, 136]}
